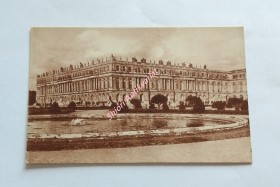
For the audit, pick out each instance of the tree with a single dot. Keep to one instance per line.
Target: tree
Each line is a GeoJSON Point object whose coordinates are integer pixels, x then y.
{"type": "Point", "coordinates": [72, 106]}
{"type": "Point", "coordinates": [196, 103]}
{"type": "Point", "coordinates": [136, 103]}
{"type": "Point", "coordinates": [159, 99]}
{"type": "Point", "coordinates": [219, 105]}
{"type": "Point", "coordinates": [55, 108]}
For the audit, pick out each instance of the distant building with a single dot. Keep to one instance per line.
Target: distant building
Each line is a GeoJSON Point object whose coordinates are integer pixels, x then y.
{"type": "Point", "coordinates": [111, 79]}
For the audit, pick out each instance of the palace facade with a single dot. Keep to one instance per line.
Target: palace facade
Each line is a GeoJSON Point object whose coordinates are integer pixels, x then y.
{"type": "Point", "coordinates": [110, 79]}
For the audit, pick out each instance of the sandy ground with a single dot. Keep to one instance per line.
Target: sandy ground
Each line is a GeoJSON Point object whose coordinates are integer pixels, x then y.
{"type": "Point", "coordinates": [223, 151]}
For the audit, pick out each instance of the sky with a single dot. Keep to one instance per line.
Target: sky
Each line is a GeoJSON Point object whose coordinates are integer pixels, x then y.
{"type": "Point", "coordinates": [218, 48]}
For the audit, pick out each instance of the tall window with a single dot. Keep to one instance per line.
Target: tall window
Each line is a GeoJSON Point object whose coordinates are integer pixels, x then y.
{"type": "Point", "coordinates": [130, 83]}
{"type": "Point", "coordinates": [117, 83]}
{"type": "Point", "coordinates": [123, 83]}
{"type": "Point", "coordinates": [108, 83]}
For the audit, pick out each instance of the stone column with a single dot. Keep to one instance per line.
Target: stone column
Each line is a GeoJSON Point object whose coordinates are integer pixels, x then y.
{"type": "Point", "coordinates": [121, 82]}
{"type": "Point", "coordinates": [150, 84]}
{"type": "Point", "coordinates": [90, 84]}
{"type": "Point", "coordinates": [110, 82]}
{"type": "Point", "coordinates": [159, 84]}
{"type": "Point", "coordinates": [133, 82]}
{"type": "Point", "coordinates": [126, 83]}
{"type": "Point", "coordinates": [97, 83]}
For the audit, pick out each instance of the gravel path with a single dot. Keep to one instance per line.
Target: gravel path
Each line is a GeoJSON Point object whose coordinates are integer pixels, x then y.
{"type": "Point", "coordinates": [236, 150]}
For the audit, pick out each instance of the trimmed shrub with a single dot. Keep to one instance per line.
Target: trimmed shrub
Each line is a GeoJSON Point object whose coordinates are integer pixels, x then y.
{"type": "Point", "coordinates": [244, 106]}
{"type": "Point", "coordinates": [136, 103]}
{"type": "Point", "coordinates": [165, 107]}
{"type": "Point", "coordinates": [159, 99]}
{"type": "Point", "coordinates": [196, 103]}
{"type": "Point", "coordinates": [232, 102]}
{"type": "Point", "coordinates": [124, 108]}
{"type": "Point", "coordinates": [55, 108]}
{"type": "Point", "coordinates": [198, 107]}
{"type": "Point", "coordinates": [32, 97]}
{"type": "Point", "coordinates": [219, 105]}
{"type": "Point", "coordinates": [152, 106]}
{"type": "Point", "coordinates": [72, 106]}
{"type": "Point", "coordinates": [182, 105]}
{"type": "Point", "coordinates": [115, 105]}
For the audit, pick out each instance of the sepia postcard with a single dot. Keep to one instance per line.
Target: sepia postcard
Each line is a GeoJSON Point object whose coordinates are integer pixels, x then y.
{"type": "Point", "coordinates": [138, 95]}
